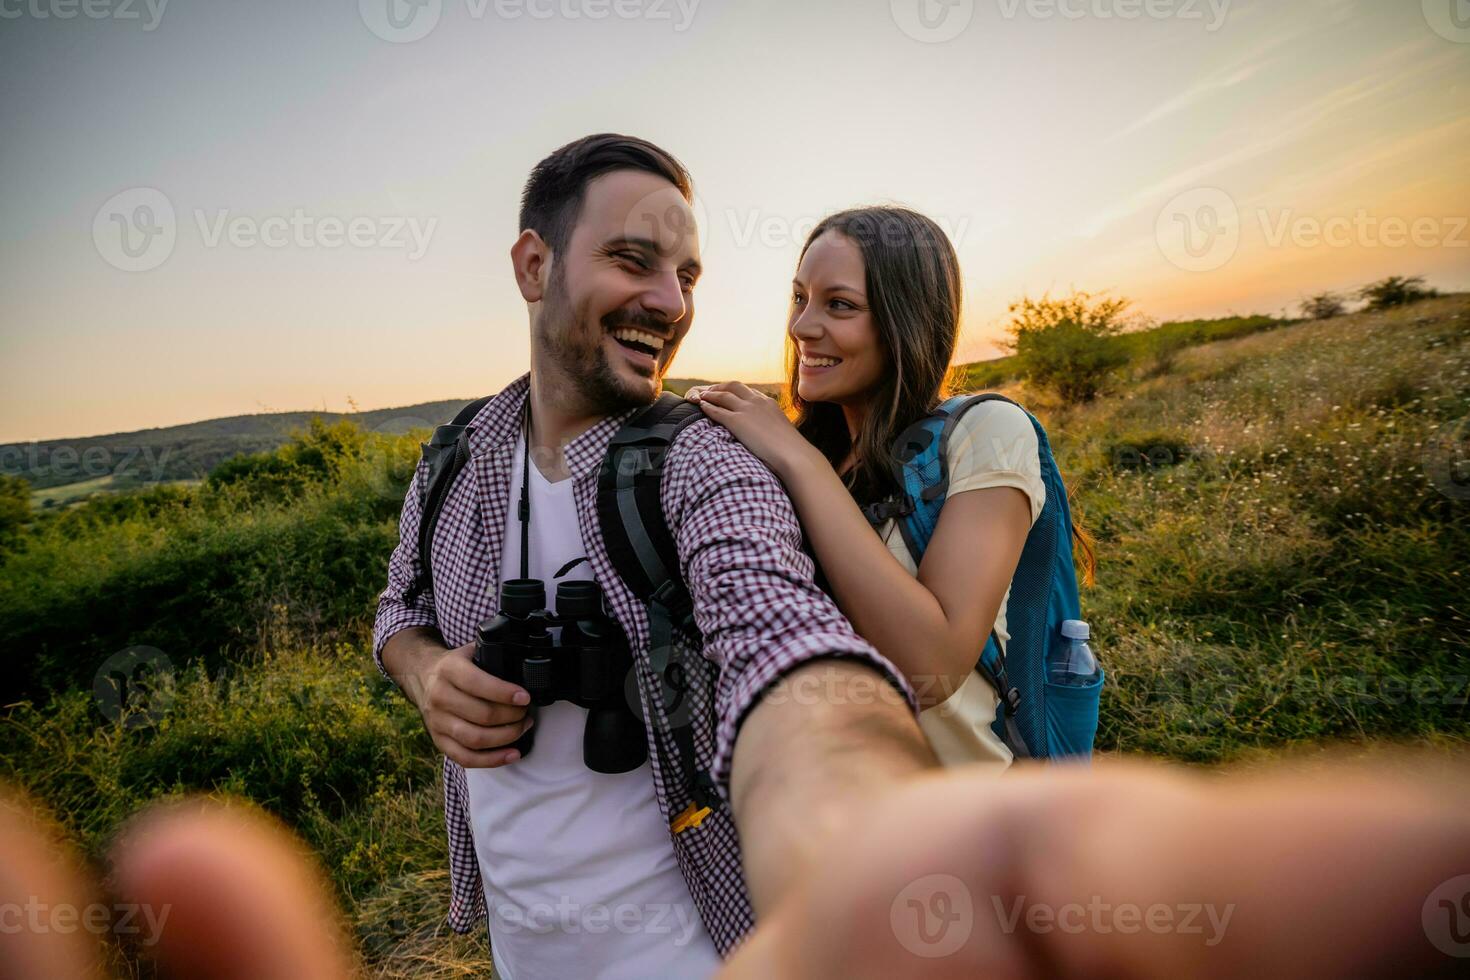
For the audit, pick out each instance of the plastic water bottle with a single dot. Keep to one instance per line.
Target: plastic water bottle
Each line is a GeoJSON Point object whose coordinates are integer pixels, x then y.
{"type": "Point", "coordinates": [1075, 666]}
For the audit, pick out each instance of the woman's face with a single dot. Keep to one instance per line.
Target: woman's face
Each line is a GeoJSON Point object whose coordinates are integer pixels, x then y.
{"type": "Point", "coordinates": [837, 341]}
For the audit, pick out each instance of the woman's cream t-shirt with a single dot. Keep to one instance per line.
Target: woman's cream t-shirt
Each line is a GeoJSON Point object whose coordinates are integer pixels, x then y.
{"type": "Point", "coordinates": [992, 445]}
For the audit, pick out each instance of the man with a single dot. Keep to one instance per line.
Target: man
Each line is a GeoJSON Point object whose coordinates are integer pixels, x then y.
{"type": "Point", "coordinates": [581, 873]}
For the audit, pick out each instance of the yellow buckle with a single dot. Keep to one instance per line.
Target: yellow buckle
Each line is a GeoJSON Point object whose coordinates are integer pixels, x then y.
{"type": "Point", "coordinates": [692, 816]}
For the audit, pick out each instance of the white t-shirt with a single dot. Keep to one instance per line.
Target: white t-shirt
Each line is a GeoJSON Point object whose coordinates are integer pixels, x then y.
{"type": "Point", "coordinates": [579, 869]}
{"type": "Point", "coordinates": [992, 445]}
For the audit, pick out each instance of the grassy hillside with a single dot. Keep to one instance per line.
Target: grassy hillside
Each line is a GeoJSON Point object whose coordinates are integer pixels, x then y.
{"type": "Point", "coordinates": [1284, 554]}
{"type": "Point", "coordinates": [1160, 343]}
{"type": "Point", "coordinates": [1283, 558]}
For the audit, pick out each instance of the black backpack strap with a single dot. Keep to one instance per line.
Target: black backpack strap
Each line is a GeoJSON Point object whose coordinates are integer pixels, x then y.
{"type": "Point", "coordinates": [1010, 696]}
{"type": "Point", "coordinates": [643, 552]}
{"type": "Point", "coordinates": [445, 454]}
{"type": "Point", "coordinates": [931, 430]}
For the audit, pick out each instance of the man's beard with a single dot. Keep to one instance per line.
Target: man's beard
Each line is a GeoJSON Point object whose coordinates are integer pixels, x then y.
{"type": "Point", "coordinates": [584, 360]}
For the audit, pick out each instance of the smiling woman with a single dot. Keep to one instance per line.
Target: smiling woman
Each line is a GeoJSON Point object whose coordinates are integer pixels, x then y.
{"type": "Point", "coordinates": [875, 312]}
{"type": "Point", "coordinates": [857, 354]}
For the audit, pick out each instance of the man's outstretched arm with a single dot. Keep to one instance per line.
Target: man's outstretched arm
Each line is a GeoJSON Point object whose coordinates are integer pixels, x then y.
{"type": "Point", "coordinates": [1356, 873]}
{"type": "Point", "coordinates": [1138, 872]}
{"type": "Point", "coordinates": [829, 740]}
{"type": "Point", "coordinates": [814, 724]}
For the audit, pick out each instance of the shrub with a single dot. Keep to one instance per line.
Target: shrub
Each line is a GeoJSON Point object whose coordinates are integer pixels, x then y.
{"type": "Point", "coordinates": [1323, 306]}
{"type": "Point", "coordinates": [15, 508]}
{"type": "Point", "coordinates": [314, 456]}
{"type": "Point", "coordinates": [1385, 294]}
{"type": "Point", "coordinates": [1064, 344]}
{"type": "Point", "coordinates": [295, 542]}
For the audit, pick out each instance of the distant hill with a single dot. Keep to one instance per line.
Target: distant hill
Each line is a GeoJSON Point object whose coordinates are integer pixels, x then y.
{"type": "Point", "coordinates": [189, 451]}
{"type": "Point", "coordinates": [62, 470]}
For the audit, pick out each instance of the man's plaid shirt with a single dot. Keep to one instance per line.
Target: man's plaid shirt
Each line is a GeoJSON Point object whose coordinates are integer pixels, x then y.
{"type": "Point", "coordinates": [755, 603]}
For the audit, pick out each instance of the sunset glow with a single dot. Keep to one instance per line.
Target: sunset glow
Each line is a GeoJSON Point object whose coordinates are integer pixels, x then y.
{"type": "Point", "coordinates": [1061, 145]}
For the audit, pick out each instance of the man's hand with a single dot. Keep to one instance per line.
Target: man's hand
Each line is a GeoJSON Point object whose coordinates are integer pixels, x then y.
{"type": "Point", "coordinates": [471, 715]}
{"type": "Point", "coordinates": [1134, 871]}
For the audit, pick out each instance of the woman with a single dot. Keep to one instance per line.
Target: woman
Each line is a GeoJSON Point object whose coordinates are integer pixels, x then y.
{"type": "Point", "coordinates": [875, 313]}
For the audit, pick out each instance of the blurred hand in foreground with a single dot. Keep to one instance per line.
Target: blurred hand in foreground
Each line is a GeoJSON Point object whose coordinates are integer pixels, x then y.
{"type": "Point", "coordinates": [1123, 870]}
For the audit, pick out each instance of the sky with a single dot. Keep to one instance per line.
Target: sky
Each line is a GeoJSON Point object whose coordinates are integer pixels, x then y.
{"type": "Point", "coordinates": [213, 208]}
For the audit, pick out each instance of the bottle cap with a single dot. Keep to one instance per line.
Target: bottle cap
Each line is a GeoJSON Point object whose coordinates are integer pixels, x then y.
{"type": "Point", "coordinates": [1076, 629]}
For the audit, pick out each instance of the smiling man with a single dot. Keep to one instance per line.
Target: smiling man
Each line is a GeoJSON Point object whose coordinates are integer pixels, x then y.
{"type": "Point", "coordinates": [584, 873]}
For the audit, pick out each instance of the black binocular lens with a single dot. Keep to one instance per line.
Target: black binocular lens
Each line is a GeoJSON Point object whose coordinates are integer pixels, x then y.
{"type": "Point", "coordinates": [578, 599]}
{"type": "Point", "coordinates": [584, 668]}
{"type": "Point", "coordinates": [522, 596]}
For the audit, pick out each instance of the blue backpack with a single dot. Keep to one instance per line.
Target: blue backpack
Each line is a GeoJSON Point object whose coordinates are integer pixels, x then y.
{"type": "Point", "coordinates": [1036, 719]}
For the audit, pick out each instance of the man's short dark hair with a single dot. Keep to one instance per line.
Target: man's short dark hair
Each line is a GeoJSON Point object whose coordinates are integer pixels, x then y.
{"type": "Point", "coordinates": [554, 192]}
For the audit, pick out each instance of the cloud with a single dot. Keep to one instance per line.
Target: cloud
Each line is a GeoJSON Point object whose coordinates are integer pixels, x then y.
{"type": "Point", "coordinates": [1299, 123]}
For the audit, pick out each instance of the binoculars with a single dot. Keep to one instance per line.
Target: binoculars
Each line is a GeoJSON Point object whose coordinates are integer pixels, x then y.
{"type": "Point", "coordinates": [590, 667]}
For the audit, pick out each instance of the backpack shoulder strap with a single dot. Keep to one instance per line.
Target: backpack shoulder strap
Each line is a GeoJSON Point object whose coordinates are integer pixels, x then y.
{"type": "Point", "coordinates": [467, 414]}
{"type": "Point", "coordinates": [445, 454]}
{"type": "Point", "coordinates": [921, 466]}
{"type": "Point", "coordinates": [629, 506]}
{"type": "Point", "coordinates": [643, 552]}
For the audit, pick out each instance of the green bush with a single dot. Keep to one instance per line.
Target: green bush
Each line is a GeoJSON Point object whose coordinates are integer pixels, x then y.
{"type": "Point", "coordinates": [1385, 294]}
{"type": "Point", "coordinates": [1063, 344]}
{"type": "Point", "coordinates": [1323, 306]}
{"type": "Point", "coordinates": [296, 546]}
{"type": "Point", "coordinates": [15, 508]}
{"type": "Point", "coordinates": [1161, 345]}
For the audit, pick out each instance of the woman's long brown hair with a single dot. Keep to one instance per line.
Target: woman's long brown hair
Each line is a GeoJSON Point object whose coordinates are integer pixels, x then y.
{"type": "Point", "coordinates": [915, 293]}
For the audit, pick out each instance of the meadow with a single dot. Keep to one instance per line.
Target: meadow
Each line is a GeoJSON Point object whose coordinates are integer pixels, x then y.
{"type": "Point", "coordinates": [1283, 561]}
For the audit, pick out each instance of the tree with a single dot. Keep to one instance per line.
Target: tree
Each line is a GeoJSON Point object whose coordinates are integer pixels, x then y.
{"type": "Point", "coordinates": [1385, 294]}
{"type": "Point", "coordinates": [1066, 344]}
{"type": "Point", "coordinates": [15, 506]}
{"type": "Point", "coordinates": [1324, 306]}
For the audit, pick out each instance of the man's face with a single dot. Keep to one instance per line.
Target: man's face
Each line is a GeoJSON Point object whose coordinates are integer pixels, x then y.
{"type": "Point", "coordinates": [621, 294]}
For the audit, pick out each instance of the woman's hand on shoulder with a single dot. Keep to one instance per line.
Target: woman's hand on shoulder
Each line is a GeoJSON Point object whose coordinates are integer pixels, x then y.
{"type": "Point", "coordinates": [757, 421]}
